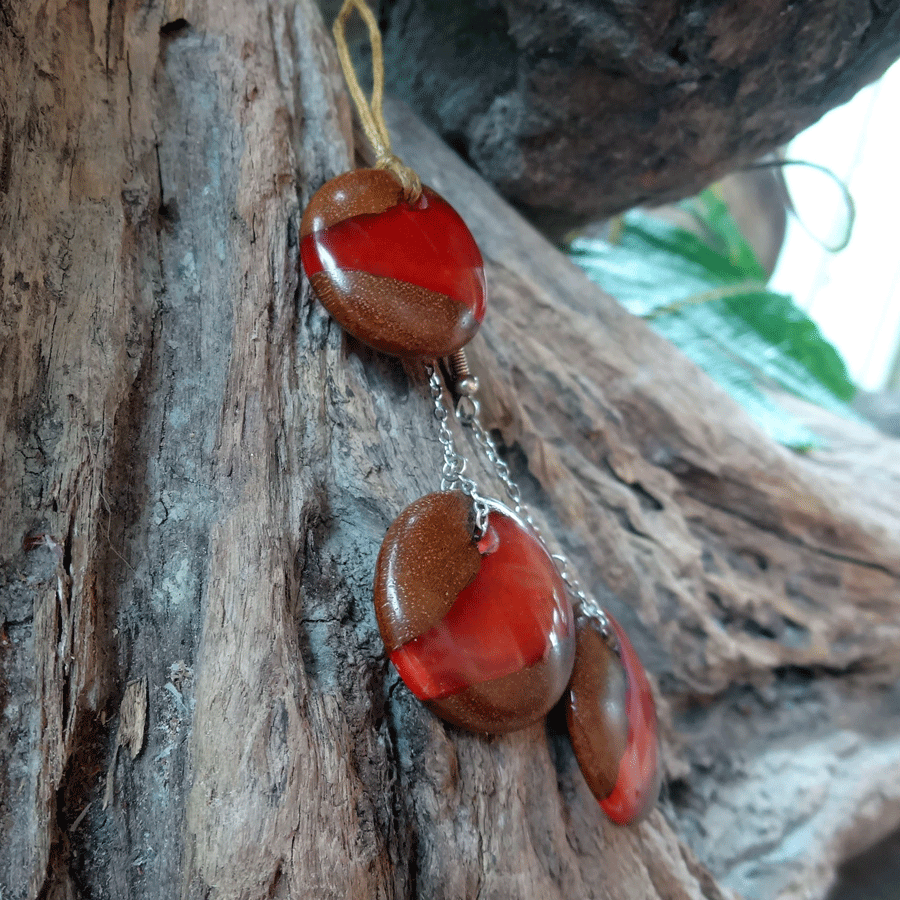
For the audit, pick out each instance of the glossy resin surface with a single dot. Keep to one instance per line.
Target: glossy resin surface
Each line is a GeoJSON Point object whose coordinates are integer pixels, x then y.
{"type": "Point", "coordinates": [490, 649]}
{"type": "Point", "coordinates": [612, 724]}
{"type": "Point", "coordinates": [407, 279]}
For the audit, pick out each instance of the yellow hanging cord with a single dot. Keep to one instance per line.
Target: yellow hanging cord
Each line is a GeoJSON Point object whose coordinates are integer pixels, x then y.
{"type": "Point", "coordinates": [371, 113]}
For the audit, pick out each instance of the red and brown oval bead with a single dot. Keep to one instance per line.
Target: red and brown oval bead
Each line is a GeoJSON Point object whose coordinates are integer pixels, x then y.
{"type": "Point", "coordinates": [612, 723]}
{"type": "Point", "coordinates": [404, 278]}
{"type": "Point", "coordinates": [481, 631]}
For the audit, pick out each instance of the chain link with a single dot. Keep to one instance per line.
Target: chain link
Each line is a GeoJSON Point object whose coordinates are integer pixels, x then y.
{"type": "Point", "coordinates": [468, 411]}
{"type": "Point", "coordinates": [586, 604]}
{"type": "Point", "coordinates": [453, 470]}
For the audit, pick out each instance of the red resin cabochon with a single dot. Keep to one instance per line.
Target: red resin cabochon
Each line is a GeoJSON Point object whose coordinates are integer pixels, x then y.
{"type": "Point", "coordinates": [405, 278]}
{"type": "Point", "coordinates": [513, 614]}
{"type": "Point", "coordinates": [637, 785]}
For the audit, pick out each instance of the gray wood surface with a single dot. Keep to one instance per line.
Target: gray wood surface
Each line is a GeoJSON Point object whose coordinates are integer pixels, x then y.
{"type": "Point", "coordinates": [198, 469]}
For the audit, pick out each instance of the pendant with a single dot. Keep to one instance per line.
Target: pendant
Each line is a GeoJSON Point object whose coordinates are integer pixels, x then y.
{"type": "Point", "coordinates": [404, 278]}
{"type": "Point", "coordinates": [481, 630]}
{"type": "Point", "coordinates": [612, 723]}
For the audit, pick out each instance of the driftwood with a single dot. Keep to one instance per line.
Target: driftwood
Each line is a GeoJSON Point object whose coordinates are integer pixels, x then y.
{"type": "Point", "coordinates": [578, 109]}
{"type": "Point", "coordinates": [198, 469]}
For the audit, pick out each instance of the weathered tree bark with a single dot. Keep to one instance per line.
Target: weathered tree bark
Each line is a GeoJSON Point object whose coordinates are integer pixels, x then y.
{"type": "Point", "coordinates": [578, 109]}
{"type": "Point", "coordinates": [198, 469]}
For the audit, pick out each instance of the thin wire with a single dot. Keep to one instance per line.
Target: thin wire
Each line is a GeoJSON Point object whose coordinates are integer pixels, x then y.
{"type": "Point", "coordinates": [841, 185]}
{"type": "Point", "coordinates": [453, 475]}
{"type": "Point", "coordinates": [371, 112]}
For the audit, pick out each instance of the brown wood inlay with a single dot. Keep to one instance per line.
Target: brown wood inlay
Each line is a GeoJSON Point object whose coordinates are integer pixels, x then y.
{"type": "Point", "coordinates": [351, 194]}
{"type": "Point", "coordinates": [428, 556]}
{"type": "Point", "coordinates": [396, 317]}
{"type": "Point", "coordinates": [512, 702]}
{"type": "Point", "coordinates": [595, 709]}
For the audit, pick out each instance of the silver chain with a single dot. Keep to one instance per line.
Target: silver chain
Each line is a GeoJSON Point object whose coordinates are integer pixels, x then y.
{"type": "Point", "coordinates": [585, 603]}
{"type": "Point", "coordinates": [468, 410]}
{"type": "Point", "coordinates": [453, 471]}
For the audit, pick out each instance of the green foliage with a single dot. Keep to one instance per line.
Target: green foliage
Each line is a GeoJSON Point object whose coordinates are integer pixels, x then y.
{"type": "Point", "coordinates": [708, 295]}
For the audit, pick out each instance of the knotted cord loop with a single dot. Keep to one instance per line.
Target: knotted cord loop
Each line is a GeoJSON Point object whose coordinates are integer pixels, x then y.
{"type": "Point", "coordinates": [371, 112]}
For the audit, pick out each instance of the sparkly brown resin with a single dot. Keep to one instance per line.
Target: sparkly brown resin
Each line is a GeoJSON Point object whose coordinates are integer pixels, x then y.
{"type": "Point", "coordinates": [506, 704]}
{"type": "Point", "coordinates": [428, 556]}
{"type": "Point", "coordinates": [612, 723]}
{"type": "Point", "coordinates": [483, 633]}
{"type": "Point", "coordinates": [596, 709]}
{"type": "Point", "coordinates": [361, 192]}
{"type": "Point", "coordinates": [405, 278]}
{"type": "Point", "coordinates": [415, 317]}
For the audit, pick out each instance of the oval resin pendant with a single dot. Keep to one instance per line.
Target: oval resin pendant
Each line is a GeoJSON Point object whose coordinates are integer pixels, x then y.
{"type": "Point", "coordinates": [480, 631]}
{"type": "Point", "coordinates": [406, 279]}
{"type": "Point", "coordinates": [612, 724]}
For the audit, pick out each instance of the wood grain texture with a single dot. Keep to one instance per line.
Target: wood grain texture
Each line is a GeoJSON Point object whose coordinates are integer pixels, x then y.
{"type": "Point", "coordinates": [198, 469]}
{"type": "Point", "coordinates": [579, 109]}
{"type": "Point", "coordinates": [760, 587]}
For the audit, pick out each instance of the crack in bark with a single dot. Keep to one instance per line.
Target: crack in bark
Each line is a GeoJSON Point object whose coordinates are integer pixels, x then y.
{"type": "Point", "coordinates": [679, 468]}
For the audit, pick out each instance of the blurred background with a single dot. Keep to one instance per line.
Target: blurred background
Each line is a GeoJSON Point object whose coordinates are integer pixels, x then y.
{"type": "Point", "coordinates": [852, 295]}
{"type": "Point", "coordinates": [782, 278]}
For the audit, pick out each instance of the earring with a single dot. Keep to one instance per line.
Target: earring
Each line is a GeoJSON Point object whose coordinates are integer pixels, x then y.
{"type": "Point", "coordinates": [482, 623]}
{"type": "Point", "coordinates": [390, 259]}
{"type": "Point", "coordinates": [423, 299]}
{"type": "Point", "coordinates": [472, 609]}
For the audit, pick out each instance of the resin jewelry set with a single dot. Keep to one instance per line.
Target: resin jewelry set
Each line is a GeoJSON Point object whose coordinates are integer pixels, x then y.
{"type": "Point", "coordinates": [483, 625]}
